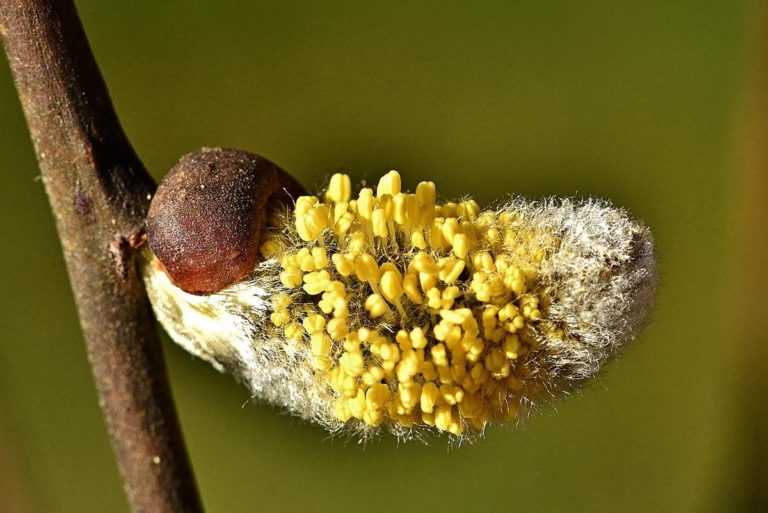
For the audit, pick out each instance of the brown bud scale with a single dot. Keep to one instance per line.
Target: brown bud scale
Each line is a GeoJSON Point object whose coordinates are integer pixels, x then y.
{"type": "Point", "coordinates": [206, 218]}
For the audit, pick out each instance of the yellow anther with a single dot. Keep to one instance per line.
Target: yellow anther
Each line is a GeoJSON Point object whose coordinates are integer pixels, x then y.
{"type": "Point", "coordinates": [343, 223]}
{"type": "Point", "coordinates": [403, 340]}
{"type": "Point", "coordinates": [509, 311]}
{"type": "Point", "coordinates": [436, 240]}
{"type": "Point", "coordinates": [418, 339]}
{"type": "Point", "coordinates": [427, 281]}
{"type": "Point", "coordinates": [352, 343]}
{"type": "Point", "coordinates": [450, 229]}
{"type": "Point", "coordinates": [392, 286]}
{"type": "Point", "coordinates": [341, 410]}
{"type": "Point", "coordinates": [480, 286]}
{"type": "Point", "coordinates": [280, 316]}
{"type": "Point", "coordinates": [501, 265]}
{"type": "Point", "coordinates": [376, 306]}
{"type": "Point", "coordinates": [364, 334]}
{"type": "Point", "coordinates": [450, 269]}
{"type": "Point", "coordinates": [339, 209]}
{"type": "Point", "coordinates": [291, 277]}
{"type": "Point", "coordinates": [320, 348]}
{"type": "Point", "coordinates": [434, 298]}
{"type": "Point", "coordinates": [411, 288]}
{"type": "Point", "coordinates": [388, 184]}
{"type": "Point", "coordinates": [320, 258]}
{"type": "Point", "coordinates": [515, 324]}
{"type": "Point", "coordinates": [389, 352]}
{"type": "Point", "coordinates": [366, 268]}
{"type": "Point", "coordinates": [474, 349]}
{"type": "Point", "coordinates": [344, 264]}
{"type": "Point", "coordinates": [418, 241]}
{"type": "Point", "coordinates": [470, 325]}
{"type": "Point", "coordinates": [271, 246]}
{"type": "Point", "coordinates": [408, 366]}
{"type": "Point", "coordinates": [356, 405]}
{"type": "Point", "coordinates": [459, 316]}
{"type": "Point", "coordinates": [379, 223]}
{"type": "Point", "coordinates": [458, 372]}
{"type": "Point", "coordinates": [337, 328]}
{"type": "Point", "coordinates": [310, 225]}
{"type": "Point", "coordinates": [493, 236]}
{"type": "Point", "coordinates": [511, 346]}
{"type": "Point", "coordinates": [386, 204]}
{"type": "Point", "coordinates": [452, 394]}
{"type": "Point", "coordinates": [377, 396]}
{"type": "Point", "coordinates": [429, 395]}
{"type": "Point", "coordinates": [304, 204]}
{"type": "Point", "coordinates": [469, 209]}
{"type": "Point", "coordinates": [289, 261]}
{"type": "Point", "coordinates": [357, 242]}
{"type": "Point", "coordinates": [424, 263]}
{"type": "Point", "coordinates": [281, 300]}
{"type": "Point", "coordinates": [409, 395]}
{"type": "Point", "coordinates": [352, 363]}
{"type": "Point", "coordinates": [412, 209]}
{"type": "Point", "coordinates": [479, 373]}
{"type": "Point", "coordinates": [442, 330]}
{"type": "Point", "coordinates": [452, 339]}
{"type": "Point", "coordinates": [339, 188]}
{"type": "Point", "coordinates": [497, 364]}
{"type": "Point", "coordinates": [321, 363]}
{"type": "Point", "coordinates": [428, 371]}
{"type": "Point", "coordinates": [373, 417]}
{"type": "Point", "coordinates": [400, 214]}
{"type": "Point", "coordinates": [293, 331]}
{"type": "Point", "coordinates": [426, 193]}
{"type": "Point", "coordinates": [306, 262]}
{"type": "Point", "coordinates": [341, 307]}
{"type": "Point", "coordinates": [448, 296]}
{"type": "Point", "coordinates": [373, 375]}
{"type": "Point", "coordinates": [489, 317]}
{"type": "Point", "coordinates": [316, 282]}
{"type": "Point", "coordinates": [348, 385]}
{"type": "Point", "coordinates": [460, 245]}
{"type": "Point", "coordinates": [483, 260]}
{"type": "Point", "coordinates": [514, 280]}
{"type": "Point", "coordinates": [439, 355]}
{"type": "Point", "coordinates": [336, 289]}
{"type": "Point", "coordinates": [443, 417]}
{"type": "Point", "coordinates": [314, 323]}
{"type": "Point", "coordinates": [365, 203]}
{"type": "Point", "coordinates": [320, 344]}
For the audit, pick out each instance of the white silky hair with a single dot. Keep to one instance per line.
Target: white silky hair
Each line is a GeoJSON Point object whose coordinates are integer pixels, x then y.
{"type": "Point", "coordinates": [598, 279]}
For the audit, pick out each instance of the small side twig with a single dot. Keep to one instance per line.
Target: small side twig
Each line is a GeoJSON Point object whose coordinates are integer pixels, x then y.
{"type": "Point", "coordinates": [99, 193]}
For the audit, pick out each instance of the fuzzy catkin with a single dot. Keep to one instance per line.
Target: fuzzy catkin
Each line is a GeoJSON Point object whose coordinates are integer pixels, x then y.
{"type": "Point", "coordinates": [595, 283]}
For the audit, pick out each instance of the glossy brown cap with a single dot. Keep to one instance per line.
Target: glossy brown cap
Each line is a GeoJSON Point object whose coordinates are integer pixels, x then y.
{"type": "Point", "coordinates": [206, 218]}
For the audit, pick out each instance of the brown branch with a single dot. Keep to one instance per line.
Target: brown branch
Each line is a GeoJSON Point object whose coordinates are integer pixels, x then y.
{"type": "Point", "coordinates": [99, 193]}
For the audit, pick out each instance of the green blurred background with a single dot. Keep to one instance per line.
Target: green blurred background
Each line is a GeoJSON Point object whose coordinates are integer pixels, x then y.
{"type": "Point", "coordinates": [636, 102]}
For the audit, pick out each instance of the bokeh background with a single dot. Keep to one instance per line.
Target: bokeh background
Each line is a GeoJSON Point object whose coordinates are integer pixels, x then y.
{"type": "Point", "coordinates": [640, 102]}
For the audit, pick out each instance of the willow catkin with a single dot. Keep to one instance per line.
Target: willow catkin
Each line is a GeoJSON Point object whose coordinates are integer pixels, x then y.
{"type": "Point", "coordinates": [391, 311]}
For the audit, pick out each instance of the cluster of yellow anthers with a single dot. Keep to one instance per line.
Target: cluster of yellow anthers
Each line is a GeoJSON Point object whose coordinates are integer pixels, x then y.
{"type": "Point", "coordinates": [449, 301]}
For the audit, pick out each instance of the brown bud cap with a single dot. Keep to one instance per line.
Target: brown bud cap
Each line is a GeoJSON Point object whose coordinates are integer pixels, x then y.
{"type": "Point", "coordinates": [206, 218]}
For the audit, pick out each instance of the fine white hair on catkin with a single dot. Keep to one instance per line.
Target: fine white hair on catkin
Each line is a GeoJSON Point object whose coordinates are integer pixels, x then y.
{"type": "Point", "coordinates": [601, 281]}
{"type": "Point", "coordinates": [598, 280]}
